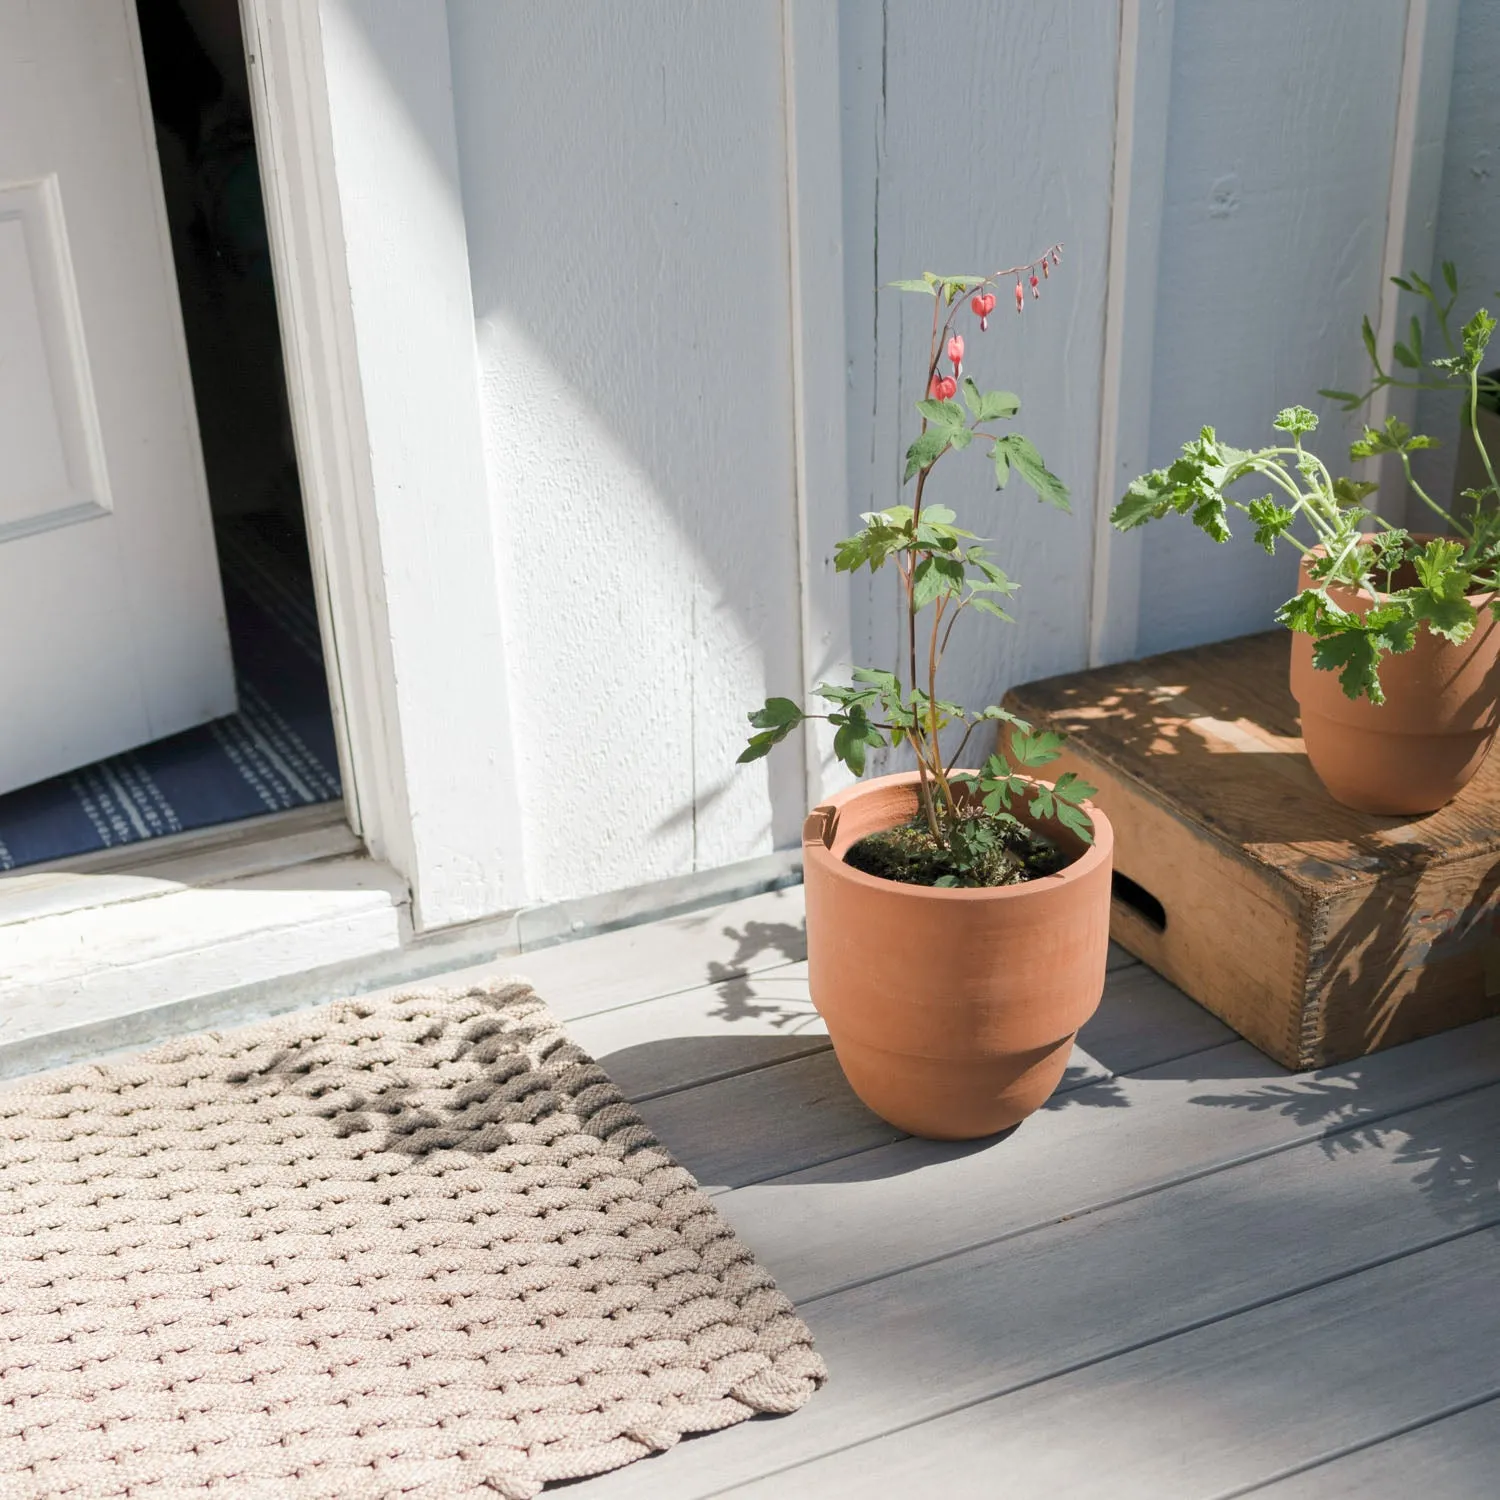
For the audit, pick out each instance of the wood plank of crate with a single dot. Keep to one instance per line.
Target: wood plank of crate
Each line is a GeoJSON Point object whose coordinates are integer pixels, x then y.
{"type": "Point", "coordinates": [1317, 932]}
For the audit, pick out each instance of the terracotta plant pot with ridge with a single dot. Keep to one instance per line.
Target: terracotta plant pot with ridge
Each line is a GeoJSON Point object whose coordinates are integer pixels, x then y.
{"type": "Point", "coordinates": [1417, 750]}
{"type": "Point", "coordinates": [952, 1011]}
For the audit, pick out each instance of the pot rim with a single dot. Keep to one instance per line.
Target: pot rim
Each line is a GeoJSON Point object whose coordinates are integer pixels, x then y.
{"type": "Point", "coordinates": [1479, 598]}
{"type": "Point", "coordinates": [814, 849]}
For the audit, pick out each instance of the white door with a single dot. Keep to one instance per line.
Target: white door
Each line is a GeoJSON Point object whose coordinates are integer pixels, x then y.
{"type": "Point", "coordinates": [111, 616]}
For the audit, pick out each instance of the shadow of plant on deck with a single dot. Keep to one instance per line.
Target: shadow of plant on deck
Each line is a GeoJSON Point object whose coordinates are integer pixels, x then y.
{"type": "Point", "coordinates": [1453, 1142]}
{"type": "Point", "coordinates": [735, 984]}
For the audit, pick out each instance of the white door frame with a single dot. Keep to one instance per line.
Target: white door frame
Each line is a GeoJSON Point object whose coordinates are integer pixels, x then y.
{"type": "Point", "coordinates": [289, 100]}
{"type": "Point", "coordinates": [359, 171]}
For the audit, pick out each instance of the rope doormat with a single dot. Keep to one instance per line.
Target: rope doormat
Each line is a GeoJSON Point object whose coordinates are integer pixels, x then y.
{"type": "Point", "coordinates": [416, 1246]}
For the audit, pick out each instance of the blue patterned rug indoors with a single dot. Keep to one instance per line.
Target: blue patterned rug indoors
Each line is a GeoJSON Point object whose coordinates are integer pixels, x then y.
{"type": "Point", "coordinates": [277, 752]}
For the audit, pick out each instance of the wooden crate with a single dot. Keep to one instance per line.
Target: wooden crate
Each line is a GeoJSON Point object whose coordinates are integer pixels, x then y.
{"type": "Point", "coordinates": [1317, 932]}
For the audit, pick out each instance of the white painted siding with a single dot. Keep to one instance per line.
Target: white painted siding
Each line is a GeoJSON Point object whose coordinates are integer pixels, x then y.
{"type": "Point", "coordinates": [1468, 221]}
{"type": "Point", "coordinates": [975, 135]}
{"type": "Point", "coordinates": [1281, 124]}
{"type": "Point", "coordinates": [624, 179]}
{"type": "Point", "coordinates": [625, 193]}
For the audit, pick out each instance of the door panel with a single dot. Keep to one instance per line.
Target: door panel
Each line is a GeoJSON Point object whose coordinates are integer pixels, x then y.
{"type": "Point", "coordinates": [112, 625]}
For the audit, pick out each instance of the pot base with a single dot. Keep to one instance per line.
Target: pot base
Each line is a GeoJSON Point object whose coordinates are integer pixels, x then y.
{"type": "Point", "coordinates": [952, 1099]}
{"type": "Point", "coordinates": [1394, 775]}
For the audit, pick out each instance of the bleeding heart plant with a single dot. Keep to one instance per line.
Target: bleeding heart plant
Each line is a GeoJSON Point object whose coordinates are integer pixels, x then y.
{"type": "Point", "coordinates": [944, 570]}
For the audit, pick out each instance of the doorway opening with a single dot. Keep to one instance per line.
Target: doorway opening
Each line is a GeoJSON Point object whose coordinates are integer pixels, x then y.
{"type": "Point", "coordinates": [279, 751]}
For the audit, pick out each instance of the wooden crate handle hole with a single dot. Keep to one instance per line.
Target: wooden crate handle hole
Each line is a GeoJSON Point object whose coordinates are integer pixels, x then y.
{"type": "Point", "coordinates": [1137, 898]}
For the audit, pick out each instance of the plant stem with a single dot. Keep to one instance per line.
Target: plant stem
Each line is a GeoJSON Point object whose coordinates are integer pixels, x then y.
{"type": "Point", "coordinates": [1474, 427]}
{"type": "Point", "coordinates": [1430, 503]}
{"type": "Point", "coordinates": [908, 576]}
{"type": "Point", "coordinates": [932, 713]}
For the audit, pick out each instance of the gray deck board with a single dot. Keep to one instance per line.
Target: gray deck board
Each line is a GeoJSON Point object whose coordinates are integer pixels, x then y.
{"type": "Point", "coordinates": [1036, 1306]}
{"type": "Point", "coordinates": [1451, 1458]}
{"type": "Point", "coordinates": [659, 958]}
{"type": "Point", "coordinates": [696, 1036]}
{"type": "Point", "coordinates": [1211, 1411]}
{"type": "Point", "coordinates": [1191, 1276]}
{"type": "Point", "coordinates": [734, 1119]}
{"type": "Point", "coordinates": [869, 1215]}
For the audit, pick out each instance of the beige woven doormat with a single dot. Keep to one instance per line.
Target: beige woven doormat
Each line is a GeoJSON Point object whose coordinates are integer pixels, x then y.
{"type": "Point", "coordinates": [416, 1246]}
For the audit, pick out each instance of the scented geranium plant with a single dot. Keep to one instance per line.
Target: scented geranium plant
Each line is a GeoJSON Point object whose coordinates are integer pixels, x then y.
{"type": "Point", "coordinates": [1412, 584]}
{"type": "Point", "coordinates": [967, 832]}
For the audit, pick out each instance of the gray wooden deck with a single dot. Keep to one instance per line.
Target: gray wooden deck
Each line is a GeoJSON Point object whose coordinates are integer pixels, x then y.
{"type": "Point", "coordinates": [1192, 1275]}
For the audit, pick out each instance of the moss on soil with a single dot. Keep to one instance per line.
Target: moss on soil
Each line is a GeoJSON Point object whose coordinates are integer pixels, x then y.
{"type": "Point", "coordinates": [911, 855]}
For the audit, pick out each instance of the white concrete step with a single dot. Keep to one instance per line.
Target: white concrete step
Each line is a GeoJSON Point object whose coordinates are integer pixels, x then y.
{"type": "Point", "coordinates": [86, 947]}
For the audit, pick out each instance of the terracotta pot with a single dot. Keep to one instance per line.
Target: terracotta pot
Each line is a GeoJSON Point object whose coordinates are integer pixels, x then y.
{"type": "Point", "coordinates": [952, 1011]}
{"type": "Point", "coordinates": [1417, 750]}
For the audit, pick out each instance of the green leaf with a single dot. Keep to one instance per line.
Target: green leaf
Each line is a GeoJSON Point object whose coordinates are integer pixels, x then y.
{"type": "Point", "coordinates": [1403, 283]}
{"type": "Point", "coordinates": [955, 286]}
{"type": "Point", "coordinates": [1355, 648]}
{"type": "Point", "coordinates": [1404, 356]}
{"type": "Point", "coordinates": [1071, 787]}
{"type": "Point", "coordinates": [1023, 457]}
{"type": "Point", "coordinates": [1354, 657]}
{"type": "Point", "coordinates": [1271, 521]}
{"type": "Point", "coordinates": [1414, 338]}
{"type": "Point", "coordinates": [1003, 716]}
{"type": "Point", "coordinates": [1394, 437]}
{"type": "Point", "coordinates": [1368, 334]}
{"type": "Point", "coordinates": [760, 744]}
{"type": "Point", "coordinates": [1436, 562]}
{"type": "Point", "coordinates": [849, 746]}
{"type": "Point", "coordinates": [1002, 466]}
{"type": "Point", "coordinates": [1296, 420]}
{"type": "Point", "coordinates": [913, 286]}
{"type": "Point", "coordinates": [1076, 820]}
{"type": "Point", "coordinates": [1209, 517]}
{"type": "Point", "coordinates": [1032, 750]}
{"type": "Point", "coordinates": [1440, 600]}
{"type": "Point", "coordinates": [936, 537]}
{"type": "Point", "coordinates": [926, 450]}
{"type": "Point", "coordinates": [943, 413]}
{"type": "Point", "coordinates": [989, 607]}
{"type": "Point", "coordinates": [851, 553]}
{"type": "Point", "coordinates": [993, 578]}
{"type": "Point", "coordinates": [1350, 492]}
{"type": "Point", "coordinates": [778, 713]}
{"type": "Point", "coordinates": [1304, 612]}
{"type": "Point", "coordinates": [935, 577]}
{"type": "Point", "coordinates": [1476, 337]}
{"type": "Point", "coordinates": [775, 721]}
{"type": "Point", "coordinates": [887, 682]}
{"type": "Point", "coordinates": [853, 734]}
{"type": "Point", "coordinates": [1348, 398]}
{"type": "Point", "coordinates": [999, 784]}
{"type": "Point", "coordinates": [1147, 499]}
{"type": "Point", "coordinates": [1477, 333]}
{"type": "Point", "coordinates": [1450, 276]}
{"type": "Point", "coordinates": [1445, 613]}
{"type": "Point", "coordinates": [989, 405]}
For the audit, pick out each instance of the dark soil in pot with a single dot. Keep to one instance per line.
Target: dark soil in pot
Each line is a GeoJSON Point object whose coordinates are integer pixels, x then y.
{"type": "Point", "coordinates": [998, 851]}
